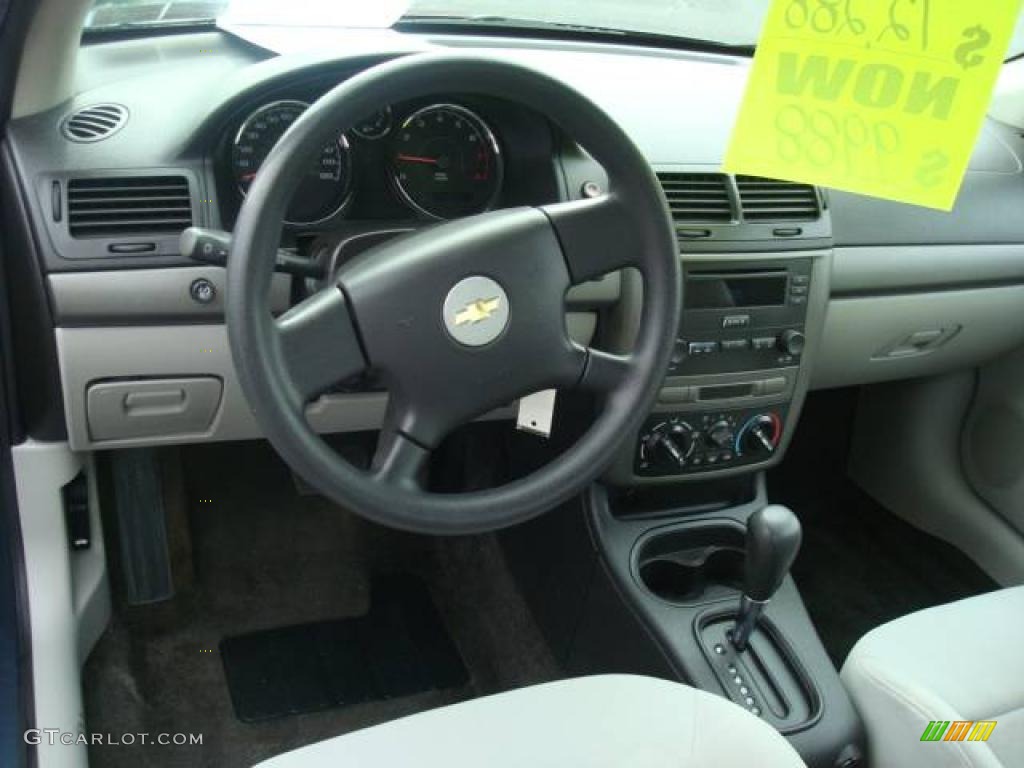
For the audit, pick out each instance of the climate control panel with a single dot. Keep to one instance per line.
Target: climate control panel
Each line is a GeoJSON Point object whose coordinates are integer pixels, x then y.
{"type": "Point", "coordinates": [683, 443]}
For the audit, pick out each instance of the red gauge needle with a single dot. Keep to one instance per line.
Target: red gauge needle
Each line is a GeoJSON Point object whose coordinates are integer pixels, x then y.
{"type": "Point", "coordinates": [417, 159]}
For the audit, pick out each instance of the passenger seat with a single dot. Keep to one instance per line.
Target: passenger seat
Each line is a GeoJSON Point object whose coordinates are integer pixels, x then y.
{"type": "Point", "coordinates": [958, 663]}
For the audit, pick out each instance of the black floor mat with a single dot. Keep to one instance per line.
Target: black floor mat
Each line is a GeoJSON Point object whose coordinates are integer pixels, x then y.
{"type": "Point", "coordinates": [399, 648]}
{"type": "Point", "coordinates": [859, 565]}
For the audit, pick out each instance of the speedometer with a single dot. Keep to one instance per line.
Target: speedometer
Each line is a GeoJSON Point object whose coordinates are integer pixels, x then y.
{"type": "Point", "coordinates": [446, 162]}
{"type": "Point", "coordinates": [323, 191]}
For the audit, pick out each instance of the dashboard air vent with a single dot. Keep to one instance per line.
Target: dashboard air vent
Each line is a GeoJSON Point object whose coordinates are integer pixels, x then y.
{"type": "Point", "coordinates": [697, 196]}
{"type": "Point", "coordinates": [773, 200]}
{"type": "Point", "coordinates": [94, 123]}
{"type": "Point", "coordinates": [136, 205]}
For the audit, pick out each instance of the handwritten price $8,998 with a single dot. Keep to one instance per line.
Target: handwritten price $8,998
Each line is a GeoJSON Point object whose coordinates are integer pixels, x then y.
{"type": "Point", "coordinates": [863, 147]}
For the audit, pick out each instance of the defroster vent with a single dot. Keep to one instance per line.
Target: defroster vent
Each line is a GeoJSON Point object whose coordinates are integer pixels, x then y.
{"type": "Point", "coordinates": [137, 205]}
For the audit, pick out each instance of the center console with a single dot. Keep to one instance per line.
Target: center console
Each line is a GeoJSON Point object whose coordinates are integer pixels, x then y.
{"type": "Point", "coordinates": [677, 564]}
{"type": "Point", "coordinates": [735, 384]}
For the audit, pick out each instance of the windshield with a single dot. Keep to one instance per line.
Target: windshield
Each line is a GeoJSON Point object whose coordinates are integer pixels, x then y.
{"type": "Point", "coordinates": [726, 22]}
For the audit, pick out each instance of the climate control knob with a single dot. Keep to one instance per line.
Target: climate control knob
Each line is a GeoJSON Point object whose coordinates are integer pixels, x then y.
{"type": "Point", "coordinates": [792, 342]}
{"type": "Point", "coordinates": [668, 446]}
{"type": "Point", "coordinates": [760, 435]}
{"type": "Point", "coordinates": [679, 441]}
{"type": "Point", "coordinates": [721, 435]}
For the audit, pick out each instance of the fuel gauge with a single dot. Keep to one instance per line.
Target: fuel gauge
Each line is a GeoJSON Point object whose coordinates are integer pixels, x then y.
{"type": "Point", "coordinates": [377, 126]}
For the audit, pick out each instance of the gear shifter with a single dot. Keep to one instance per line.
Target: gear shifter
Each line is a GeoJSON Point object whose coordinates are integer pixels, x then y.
{"type": "Point", "coordinates": [773, 539]}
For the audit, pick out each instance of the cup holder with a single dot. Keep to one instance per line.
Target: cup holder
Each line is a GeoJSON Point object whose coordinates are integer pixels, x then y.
{"type": "Point", "coordinates": [694, 564]}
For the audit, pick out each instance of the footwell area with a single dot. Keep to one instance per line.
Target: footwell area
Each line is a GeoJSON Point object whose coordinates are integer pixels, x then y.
{"type": "Point", "coordinates": [399, 648]}
{"type": "Point", "coordinates": [266, 557]}
{"type": "Point", "coordinates": [859, 565]}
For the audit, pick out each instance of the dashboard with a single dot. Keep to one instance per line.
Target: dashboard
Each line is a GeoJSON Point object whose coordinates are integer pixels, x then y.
{"type": "Point", "coordinates": [862, 290]}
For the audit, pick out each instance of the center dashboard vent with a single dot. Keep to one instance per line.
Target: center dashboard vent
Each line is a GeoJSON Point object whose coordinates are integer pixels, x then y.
{"type": "Point", "coordinates": [697, 197]}
{"type": "Point", "coordinates": [764, 199]}
{"type": "Point", "coordinates": [94, 123]}
{"type": "Point", "coordinates": [134, 205]}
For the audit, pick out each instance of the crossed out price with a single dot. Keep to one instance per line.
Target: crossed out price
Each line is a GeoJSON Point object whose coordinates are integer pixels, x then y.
{"type": "Point", "coordinates": [908, 22]}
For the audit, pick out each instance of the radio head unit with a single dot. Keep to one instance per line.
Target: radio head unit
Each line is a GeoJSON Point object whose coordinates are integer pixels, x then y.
{"type": "Point", "coordinates": [742, 318]}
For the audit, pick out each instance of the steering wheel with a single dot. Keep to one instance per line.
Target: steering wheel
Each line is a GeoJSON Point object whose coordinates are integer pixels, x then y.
{"type": "Point", "coordinates": [459, 318]}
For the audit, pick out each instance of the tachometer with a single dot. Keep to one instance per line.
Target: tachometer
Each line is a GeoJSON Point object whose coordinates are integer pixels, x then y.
{"type": "Point", "coordinates": [446, 162]}
{"type": "Point", "coordinates": [325, 188]}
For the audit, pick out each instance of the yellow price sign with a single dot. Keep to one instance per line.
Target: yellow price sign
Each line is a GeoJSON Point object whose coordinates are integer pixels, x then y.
{"type": "Point", "coordinates": [881, 97]}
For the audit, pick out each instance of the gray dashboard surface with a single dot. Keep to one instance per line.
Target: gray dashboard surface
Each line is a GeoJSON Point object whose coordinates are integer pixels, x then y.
{"type": "Point", "coordinates": [677, 106]}
{"type": "Point", "coordinates": [988, 209]}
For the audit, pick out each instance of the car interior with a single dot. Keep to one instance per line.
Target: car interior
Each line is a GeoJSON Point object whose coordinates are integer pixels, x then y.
{"type": "Point", "coordinates": [422, 391]}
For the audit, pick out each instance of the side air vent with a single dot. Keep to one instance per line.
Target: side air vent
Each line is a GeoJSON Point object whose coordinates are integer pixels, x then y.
{"type": "Point", "coordinates": [697, 197]}
{"type": "Point", "coordinates": [94, 123]}
{"type": "Point", "coordinates": [773, 200]}
{"type": "Point", "coordinates": [139, 205]}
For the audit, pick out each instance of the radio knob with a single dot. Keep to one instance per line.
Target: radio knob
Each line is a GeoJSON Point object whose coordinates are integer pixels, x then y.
{"type": "Point", "coordinates": [792, 342]}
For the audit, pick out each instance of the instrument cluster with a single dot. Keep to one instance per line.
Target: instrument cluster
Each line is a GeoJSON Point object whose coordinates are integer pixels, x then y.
{"type": "Point", "coordinates": [440, 161]}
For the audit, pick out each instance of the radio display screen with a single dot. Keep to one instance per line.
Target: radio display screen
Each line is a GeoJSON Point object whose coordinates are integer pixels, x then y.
{"type": "Point", "coordinates": [725, 292]}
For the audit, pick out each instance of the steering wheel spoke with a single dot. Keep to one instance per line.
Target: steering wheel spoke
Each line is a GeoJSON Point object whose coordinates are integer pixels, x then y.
{"type": "Point", "coordinates": [597, 236]}
{"type": "Point", "coordinates": [597, 371]}
{"type": "Point", "coordinates": [320, 343]}
{"type": "Point", "coordinates": [399, 460]}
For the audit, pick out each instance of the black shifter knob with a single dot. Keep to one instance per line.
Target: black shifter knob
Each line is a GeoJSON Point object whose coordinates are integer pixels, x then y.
{"type": "Point", "coordinates": [773, 539]}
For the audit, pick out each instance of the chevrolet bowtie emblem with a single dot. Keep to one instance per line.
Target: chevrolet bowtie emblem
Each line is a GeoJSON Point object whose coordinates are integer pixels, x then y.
{"type": "Point", "coordinates": [477, 311]}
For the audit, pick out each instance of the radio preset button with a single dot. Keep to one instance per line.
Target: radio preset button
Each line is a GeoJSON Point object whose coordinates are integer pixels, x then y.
{"type": "Point", "coordinates": [764, 342]}
{"type": "Point", "coordinates": [702, 347]}
{"type": "Point", "coordinates": [734, 345]}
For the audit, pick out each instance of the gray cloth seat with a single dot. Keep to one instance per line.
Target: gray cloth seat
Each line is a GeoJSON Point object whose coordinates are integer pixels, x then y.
{"type": "Point", "coordinates": [590, 722]}
{"type": "Point", "coordinates": [959, 662]}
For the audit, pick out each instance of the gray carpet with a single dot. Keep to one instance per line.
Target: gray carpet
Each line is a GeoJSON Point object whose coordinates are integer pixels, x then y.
{"type": "Point", "coordinates": [265, 556]}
